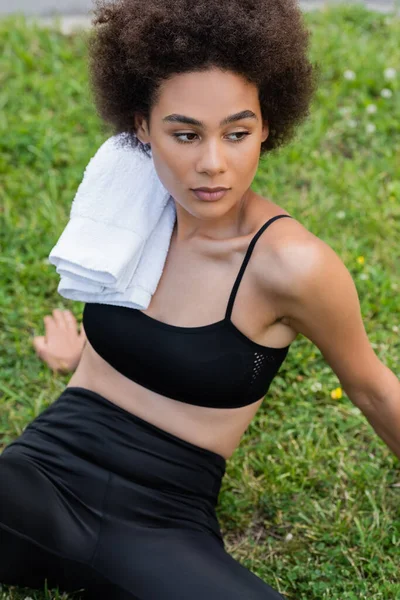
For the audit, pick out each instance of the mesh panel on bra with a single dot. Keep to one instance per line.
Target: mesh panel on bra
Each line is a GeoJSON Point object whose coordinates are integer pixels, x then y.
{"type": "Point", "coordinates": [263, 369]}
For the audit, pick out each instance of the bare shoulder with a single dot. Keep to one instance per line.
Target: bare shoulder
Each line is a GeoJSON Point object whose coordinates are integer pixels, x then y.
{"type": "Point", "coordinates": [294, 251]}
{"type": "Point", "coordinates": [317, 297]}
{"type": "Point", "coordinates": [291, 255]}
{"type": "Point", "coordinates": [287, 247]}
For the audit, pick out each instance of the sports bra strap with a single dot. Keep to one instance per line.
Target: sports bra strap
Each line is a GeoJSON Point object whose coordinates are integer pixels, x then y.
{"type": "Point", "coordinates": [245, 261]}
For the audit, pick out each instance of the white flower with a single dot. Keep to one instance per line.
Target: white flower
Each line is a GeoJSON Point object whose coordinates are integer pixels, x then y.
{"type": "Point", "coordinates": [371, 109]}
{"type": "Point", "coordinates": [341, 214]}
{"type": "Point", "coordinates": [370, 128]}
{"type": "Point", "coordinates": [364, 276]}
{"type": "Point", "coordinates": [389, 74]}
{"type": "Point", "coordinates": [385, 93]}
{"type": "Point", "coordinates": [316, 386]}
{"type": "Point", "coordinates": [289, 537]}
{"type": "Point", "coordinates": [350, 75]}
{"type": "Point", "coordinates": [352, 123]}
{"type": "Point", "coordinates": [345, 110]}
{"type": "Point", "coordinates": [395, 329]}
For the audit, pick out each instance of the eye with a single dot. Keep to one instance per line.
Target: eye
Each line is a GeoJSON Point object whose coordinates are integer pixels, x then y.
{"type": "Point", "coordinates": [179, 135]}
{"type": "Point", "coordinates": [243, 133]}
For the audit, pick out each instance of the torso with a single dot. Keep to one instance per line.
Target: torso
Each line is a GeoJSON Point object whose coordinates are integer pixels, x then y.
{"type": "Point", "coordinates": [196, 270]}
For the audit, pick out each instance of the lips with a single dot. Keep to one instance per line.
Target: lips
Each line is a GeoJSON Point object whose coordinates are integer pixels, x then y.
{"type": "Point", "coordinates": [209, 190]}
{"type": "Point", "coordinates": [210, 196]}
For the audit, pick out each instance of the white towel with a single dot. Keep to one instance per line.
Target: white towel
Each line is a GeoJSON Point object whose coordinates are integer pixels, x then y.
{"type": "Point", "coordinates": [114, 247]}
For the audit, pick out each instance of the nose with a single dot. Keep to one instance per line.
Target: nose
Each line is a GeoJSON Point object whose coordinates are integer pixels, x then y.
{"type": "Point", "coordinates": [212, 159]}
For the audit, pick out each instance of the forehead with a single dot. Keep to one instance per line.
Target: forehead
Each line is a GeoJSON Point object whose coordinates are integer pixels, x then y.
{"type": "Point", "coordinates": [213, 92]}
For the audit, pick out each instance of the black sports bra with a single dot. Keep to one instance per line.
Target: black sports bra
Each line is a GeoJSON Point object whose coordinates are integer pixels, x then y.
{"type": "Point", "coordinates": [214, 365]}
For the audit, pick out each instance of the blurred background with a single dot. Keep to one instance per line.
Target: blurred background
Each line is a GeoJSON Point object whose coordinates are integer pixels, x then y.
{"type": "Point", "coordinates": [45, 7]}
{"type": "Point", "coordinates": [72, 7]}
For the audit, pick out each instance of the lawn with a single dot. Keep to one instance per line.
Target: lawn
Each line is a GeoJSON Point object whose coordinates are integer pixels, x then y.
{"type": "Point", "coordinates": [310, 501]}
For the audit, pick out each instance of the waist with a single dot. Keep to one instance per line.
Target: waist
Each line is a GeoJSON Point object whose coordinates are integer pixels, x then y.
{"type": "Point", "coordinates": [218, 430]}
{"type": "Point", "coordinates": [81, 423]}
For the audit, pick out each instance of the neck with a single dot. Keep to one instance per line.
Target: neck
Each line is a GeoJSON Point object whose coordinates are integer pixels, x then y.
{"type": "Point", "coordinates": [229, 225]}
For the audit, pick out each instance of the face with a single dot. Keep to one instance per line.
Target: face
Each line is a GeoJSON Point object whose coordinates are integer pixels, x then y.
{"type": "Point", "coordinates": [209, 153]}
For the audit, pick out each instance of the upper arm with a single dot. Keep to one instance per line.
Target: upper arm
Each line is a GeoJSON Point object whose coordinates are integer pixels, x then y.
{"type": "Point", "coordinates": [321, 302]}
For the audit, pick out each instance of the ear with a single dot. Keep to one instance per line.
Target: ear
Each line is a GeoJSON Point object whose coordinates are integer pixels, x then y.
{"type": "Point", "coordinates": [141, 127]}
{"type": "Point", "coordinates": [265, 131]}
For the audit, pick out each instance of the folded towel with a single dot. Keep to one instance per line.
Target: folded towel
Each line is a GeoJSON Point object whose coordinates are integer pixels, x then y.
{"type": "Point", "coordinates": [114, 247]}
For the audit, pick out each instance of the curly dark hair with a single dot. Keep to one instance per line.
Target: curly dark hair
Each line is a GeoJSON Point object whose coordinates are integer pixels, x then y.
{"type": "Point", "coordinates": [136, 44]}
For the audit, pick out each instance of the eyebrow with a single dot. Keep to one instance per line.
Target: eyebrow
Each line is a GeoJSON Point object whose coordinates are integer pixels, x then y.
{"type": "Point", "coordinates": [244, 114]}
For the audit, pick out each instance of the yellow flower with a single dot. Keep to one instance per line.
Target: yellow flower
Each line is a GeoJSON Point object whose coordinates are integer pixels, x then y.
{"type": "Point", "coordinates": [337, 393]}
{"type": "Point", "coordinates": [360, 260]}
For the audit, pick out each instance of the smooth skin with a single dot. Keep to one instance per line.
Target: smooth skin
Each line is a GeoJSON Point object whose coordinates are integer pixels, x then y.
{"type": "Point", "coordinates": [294, 284]}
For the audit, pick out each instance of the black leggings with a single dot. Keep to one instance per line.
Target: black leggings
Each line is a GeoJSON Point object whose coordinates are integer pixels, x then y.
{"type": "Point", "coordinates": [96, 499]}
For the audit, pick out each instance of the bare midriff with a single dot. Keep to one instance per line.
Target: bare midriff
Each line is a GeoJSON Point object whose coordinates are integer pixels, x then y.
{"type": "Point", "coordinates": [216, 429]}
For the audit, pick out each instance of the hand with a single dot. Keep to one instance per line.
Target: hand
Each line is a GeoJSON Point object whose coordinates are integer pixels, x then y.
{"type": "Point", "coordinates": [62, 345]}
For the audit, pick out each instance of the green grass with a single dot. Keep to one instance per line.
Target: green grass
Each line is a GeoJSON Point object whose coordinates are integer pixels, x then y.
{"type": "Point", "coordinates": [309, 501]}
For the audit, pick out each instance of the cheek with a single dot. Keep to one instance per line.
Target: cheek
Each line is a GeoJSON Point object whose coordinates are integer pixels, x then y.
{"type": "Point", "coordinates": [247, 163]}
{"type": "Point", "coordinates": [171, 173]}
{"type": "Point", "coordinates": [180, 168]}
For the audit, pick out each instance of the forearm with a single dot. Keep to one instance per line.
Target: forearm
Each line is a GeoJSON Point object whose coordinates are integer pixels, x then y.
{"type": "Point", "coordinates": [383, 414]}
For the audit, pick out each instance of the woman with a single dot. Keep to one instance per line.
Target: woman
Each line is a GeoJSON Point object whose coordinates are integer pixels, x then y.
{"type": "Point", "coordinates": [113, 488]}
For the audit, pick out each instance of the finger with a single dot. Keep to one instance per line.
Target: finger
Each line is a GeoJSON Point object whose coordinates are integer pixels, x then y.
{"type": "Point", "coordinates": [50, 327]}
{"type": "Point", "coordinates": [59, 318]}
{"type": "Point", "coordinates": [70, 319]}
{"type": "Point", "coordinates": [39, 345]}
